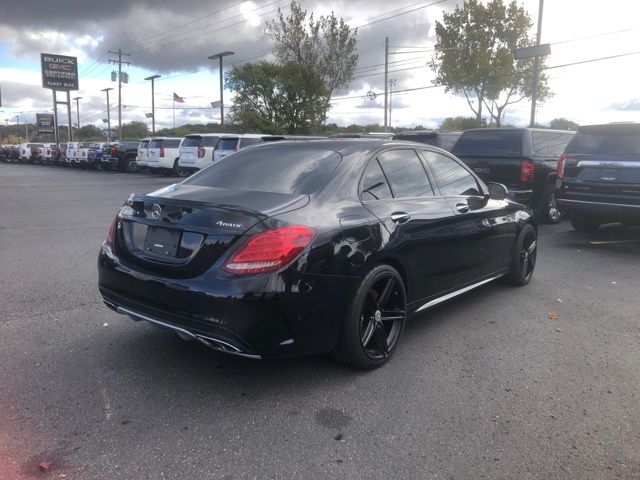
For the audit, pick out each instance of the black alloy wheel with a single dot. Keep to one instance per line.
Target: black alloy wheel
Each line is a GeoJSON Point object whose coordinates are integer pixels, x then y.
{"type": "Point", "coordinates": [177, 171]}
{"type": "Point", "coordinates": [375, 319]}
{"type": "Point", "coordinates": [548, 211]}
{"type": "Point", "coordinates": [526, 254]}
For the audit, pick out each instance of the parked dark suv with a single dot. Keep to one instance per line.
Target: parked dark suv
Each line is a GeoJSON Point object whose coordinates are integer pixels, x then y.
{"type": "Point", "coordinates": [443, 140]}
{"type": "Point", "coordinates": [599, 176]}
{"type": "Point", "coordinates": [523, 159]}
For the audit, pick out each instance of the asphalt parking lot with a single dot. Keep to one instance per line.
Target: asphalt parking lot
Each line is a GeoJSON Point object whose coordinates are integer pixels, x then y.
{"type": "Point", "coordinates": [490, 385]}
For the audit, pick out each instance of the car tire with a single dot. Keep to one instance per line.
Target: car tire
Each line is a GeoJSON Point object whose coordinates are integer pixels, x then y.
{"type": "Point", "coordinates": [548, 211]}
{"type": "Point", "coordinates": [177, 171]}
{"type": "Point", "coordinates": [373, 325]}
{"type": "Point", "coordinates": [130, 164]}
{"type": "Point", "coordinates": [581, 223]}
{"type": "Point", "coordinates": [524, 258]}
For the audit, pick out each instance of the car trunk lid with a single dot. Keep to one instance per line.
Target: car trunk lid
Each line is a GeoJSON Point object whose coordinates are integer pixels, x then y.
{"type": "Point", "coordinates": [182, 230]}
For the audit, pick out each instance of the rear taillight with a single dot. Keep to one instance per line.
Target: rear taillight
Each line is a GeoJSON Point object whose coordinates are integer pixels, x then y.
{"type": "Point", "coordinates": [48, 151]}
{"type": "Point", "coordinates": [526, 172]}
{"type": "Point", "coordinates": [200, 152]}
{"type": "Point", "coordinates": [39, 151]}
{"type": "Point", "coordinates": [560, 166]}
{"type": "Point", "coordinates": [270, 250]}
{"type": "Point", "coordinates": [162, 151]}
{"type": "Point", "coordinates": [237, 145]}
{"type": "Point", "coordinates": [113, 150]}
{"type": "Point", "coordinates": [112, 231]}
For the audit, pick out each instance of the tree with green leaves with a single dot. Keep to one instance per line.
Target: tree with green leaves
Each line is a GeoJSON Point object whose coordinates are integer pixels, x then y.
{"type": "Point", "coordinates": [474, 56]}
{"type": "Point", "coordinates": [135, 129]}
{"type": "Point", "coordinates": [314, 59]}
{"type": "Point", "coordinates": [458, 124]}
{"type": "Point", "coordinates": [563, 124]}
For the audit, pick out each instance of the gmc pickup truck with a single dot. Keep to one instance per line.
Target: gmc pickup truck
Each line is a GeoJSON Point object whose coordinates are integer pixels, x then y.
{"type": "Point", "coordinates": [121, 156]}
{"type": "Point", "coordinates": [522, 159]}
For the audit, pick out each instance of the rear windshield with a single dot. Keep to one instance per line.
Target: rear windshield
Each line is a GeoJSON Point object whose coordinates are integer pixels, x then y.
{"type": "Point", "coordinates": [619, 140]}
{"type": "Point", "coordinates": [192, 142]}
{"type": "Point", "coordinates": [489, 143]}
{"type": "Point", "coordinates": [209, 141]}
{"type": "Point", "coordinates": [549, 144]}
{"type": "Point", "coordinates": [155, 144]}
{"type": "Point", "coordinates": [277, 170]}
{"type": "Point", "coordinates": [172, 143]}
{"type": "Point", "coordinates": [144, 144]}
{"type": "Point", "coordinates": [84, 145]}
{"type": "Point", "coordinates": [247, 142]}
{"type": "Point", "coordinates": [227, 143]}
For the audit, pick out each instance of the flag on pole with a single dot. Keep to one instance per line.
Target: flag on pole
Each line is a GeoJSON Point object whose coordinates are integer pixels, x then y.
{"type": "Point", "coordinates": [177, 98]}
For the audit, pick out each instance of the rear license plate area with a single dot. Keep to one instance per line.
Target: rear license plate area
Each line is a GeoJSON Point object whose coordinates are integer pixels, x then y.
{"type": "Point", "coordinates": [162, 241]}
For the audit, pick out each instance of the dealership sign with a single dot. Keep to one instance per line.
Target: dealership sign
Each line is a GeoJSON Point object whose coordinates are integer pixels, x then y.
{"type": "Point", "coordinates": [59, 72]}
{"type": "Point", "coordinates": [45, 122]}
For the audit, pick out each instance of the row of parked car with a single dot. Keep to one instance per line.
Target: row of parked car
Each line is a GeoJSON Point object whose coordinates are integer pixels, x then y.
{"type": "Point", "coordinates": [593, 175]}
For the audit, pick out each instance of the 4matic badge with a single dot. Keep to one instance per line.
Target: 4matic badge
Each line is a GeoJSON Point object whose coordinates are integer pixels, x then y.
{"type": "Point", "coordinates": [220, 223]}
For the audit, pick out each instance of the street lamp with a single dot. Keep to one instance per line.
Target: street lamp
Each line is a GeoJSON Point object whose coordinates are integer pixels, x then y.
{"type": "Point", "coordinates": [220, 56]}
{"type": "Point", "coordinates": [153, 103]}
{"type": "Point", "coordinates": [108, 113]}
{"type": "Point", "coordinates": [77, 99]}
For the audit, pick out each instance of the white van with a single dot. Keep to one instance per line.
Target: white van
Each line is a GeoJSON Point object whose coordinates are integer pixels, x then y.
{"type": "Point", "coordinates": [163, 155]}
{"type": "Point", "coordinates": [197, 150]}
{"type": "Point", "coordinates": [143, 149]}
{"type": "Point", "coordinates": [228, 144]}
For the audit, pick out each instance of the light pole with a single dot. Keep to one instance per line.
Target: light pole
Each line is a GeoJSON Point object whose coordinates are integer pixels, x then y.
{"type": "Point", "coordinates": [153, 103]}
{"type": "Point", "coordinates": [77, 99]}
{"type": "Point", "coordinates": [220, 56]}
{"type": "Point", "coordinates": [536, 68]}
{"type": "Point", "coordinates": [106, 90]}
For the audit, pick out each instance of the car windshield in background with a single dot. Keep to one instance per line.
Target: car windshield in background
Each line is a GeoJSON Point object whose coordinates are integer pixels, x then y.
{"type": "Point", "coordinates": [490, 143]}
{"type": "Point", "coordinates": [607, 140]}
{"type": "Point", "coordinates": [279, 170]}
{"type": "Point", "coordinates": [192, 142]}
{"type": "Point", "coordinates": [227, 143]}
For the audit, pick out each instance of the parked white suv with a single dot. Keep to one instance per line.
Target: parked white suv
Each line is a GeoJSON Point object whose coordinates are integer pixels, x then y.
{"type": "Point", "coordinates": [163, 155]}
{"type": "Point", "coordinates": [72, 152]}
{"type": "Point", "coordinates": [197, 150]}
{"type": "Point", "coordinates": [228, 144]}
{"type": "Point", "coordinates": [143, 149]}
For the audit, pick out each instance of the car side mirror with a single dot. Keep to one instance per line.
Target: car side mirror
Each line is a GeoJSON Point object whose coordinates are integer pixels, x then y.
{"type": "Point", "coordinates": [498, 191]}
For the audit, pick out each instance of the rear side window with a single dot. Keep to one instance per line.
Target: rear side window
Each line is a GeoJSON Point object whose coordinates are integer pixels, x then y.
{"type": "Point", "coordinates": [227, 143]}
{"type": "Point", "coordinates": [489, 143]}
{"type": "Point", "coordinates": [247, 142]}
{"type": "Point", "coordinates": [278, 170]}
{"type": "Point", "coordinates": [173, 143]}
{"type": "Point", "coordinates": [611, 140]}
{"type": "Point", "coordinates": [374, 186]}
{"type": "Point", "coordinates": [549, 144]}
{"type": "Point", "coordinates": [405, 173]}
{"type": "Point", "coordinates": [192, 142]}
{"type": "Point", "coordinates": [208, 141]}
{"type": "Point", "coordinates": [452, 178]}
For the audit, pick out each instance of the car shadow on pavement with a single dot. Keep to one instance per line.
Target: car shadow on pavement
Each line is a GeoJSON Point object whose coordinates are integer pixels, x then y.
{"type": "Point", "coordinates": [613, 238]}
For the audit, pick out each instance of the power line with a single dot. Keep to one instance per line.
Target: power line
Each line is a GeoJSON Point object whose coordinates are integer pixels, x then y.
{"type": "Point", "coordinates": [399, 14]}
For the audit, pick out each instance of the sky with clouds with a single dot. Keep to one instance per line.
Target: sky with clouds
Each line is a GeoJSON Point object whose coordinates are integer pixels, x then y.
{"type": "Point", "coordinates": [174, 39]}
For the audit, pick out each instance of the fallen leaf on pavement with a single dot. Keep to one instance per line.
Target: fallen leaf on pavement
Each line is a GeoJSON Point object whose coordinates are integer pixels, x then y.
{"type": "Point", "coordinates": [553, 315]}
{"type": "Point", "coordinates": [45, 465]}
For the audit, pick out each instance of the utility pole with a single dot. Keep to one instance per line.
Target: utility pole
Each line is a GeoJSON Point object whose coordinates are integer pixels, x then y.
{"type": "Point", "coordinates": [153, 104]}
{"type": "Point", "coordinates": [392, 83]}
{"type": "Point", "coordinates": [108, 113]}
{"type": "Point", "coordinates": [77, 99]}
{"type": "Point", "coordinates": [119, 62]}
{"type": "Point", "coordinates": [536, 68]}
{"type": "Point", "coordinates": [386, 79]}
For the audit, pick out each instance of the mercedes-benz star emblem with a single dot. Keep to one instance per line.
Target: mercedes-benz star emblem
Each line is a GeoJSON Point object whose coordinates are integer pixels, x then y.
{"type": "Point", "coordinates": [156, 211]}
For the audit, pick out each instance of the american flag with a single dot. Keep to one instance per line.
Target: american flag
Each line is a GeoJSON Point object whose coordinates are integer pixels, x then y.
{"type": "Point", "coordinates": [177, 98]}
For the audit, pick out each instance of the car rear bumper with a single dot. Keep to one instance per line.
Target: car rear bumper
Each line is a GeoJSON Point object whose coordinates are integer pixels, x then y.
{"type": "Point", "coordinates": [605, 210]}
{"type": "Point", "coordinates": [258, 316]}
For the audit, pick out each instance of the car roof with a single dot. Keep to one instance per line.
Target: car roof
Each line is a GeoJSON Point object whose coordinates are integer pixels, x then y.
{"type": "Point", "coordinates": [521, 129]}
{"type": "Point", "coordinates": [166, 138]}
{"type": "Point", "coordinates": [346, 146]}
{"type": "Point", "coordinates": [205, 135]}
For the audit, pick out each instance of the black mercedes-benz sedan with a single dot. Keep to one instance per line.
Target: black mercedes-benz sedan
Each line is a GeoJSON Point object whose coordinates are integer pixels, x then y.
{"type": "Point", "coordinates": [295, 248]}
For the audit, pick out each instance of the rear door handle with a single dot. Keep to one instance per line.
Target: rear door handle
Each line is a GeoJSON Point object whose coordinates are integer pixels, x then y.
{"type": "Point", "coordinates": [462, 207]}
{"type": "Point", "coordinates": [400, 217]}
